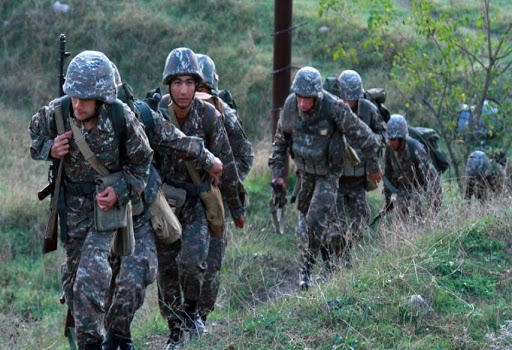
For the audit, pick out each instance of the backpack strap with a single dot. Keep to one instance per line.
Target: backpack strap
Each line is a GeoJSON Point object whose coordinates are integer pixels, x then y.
{"type": "Point", "coordinates": [144, 112]}
{"type": "Point", "coordinates": [116, 116]}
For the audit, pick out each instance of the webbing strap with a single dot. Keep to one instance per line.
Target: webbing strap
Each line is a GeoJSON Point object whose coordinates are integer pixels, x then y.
{"type": "Point", "coordinates": [85, 149]}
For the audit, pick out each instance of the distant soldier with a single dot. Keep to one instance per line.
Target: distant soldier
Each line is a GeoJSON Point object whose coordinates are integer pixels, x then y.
{"type": "Point", "coordinates": [354, 180]}
{"type": "Point", "coordinates": [484, 177]}
{"type": "Point", "coordinates": [410, 171]}
{"type": "Point", "coordinates": [242, 151]}
{"type": "Point", "coordinates": [309, 120]}
{"type": "Point", "coordinates": [91, 102]}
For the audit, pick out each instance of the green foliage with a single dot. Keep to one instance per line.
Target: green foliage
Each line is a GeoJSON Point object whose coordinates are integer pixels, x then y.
{"type": "Point", "coordinates": [460, 269]}
{"type": "Point", "coordinates": [443, 54]}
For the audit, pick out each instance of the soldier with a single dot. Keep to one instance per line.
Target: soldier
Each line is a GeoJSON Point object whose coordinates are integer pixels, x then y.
{"type": "Point", "coordinates": [353, 181]}
{"type": "Point", "coordinates": [242, 152]}
{"type": "Point", "coordinates": [310, 119]}
{"type": "Point", "coordinates": [182, 266]}
{"type": "Point", "coordinates": [132, 274]}
{"type": "Point", "coordinates": [91, 99]}
{"type": "Point", "coordinates": [484, 176]}
{"type": "Point", "coordinates": [410, 171]}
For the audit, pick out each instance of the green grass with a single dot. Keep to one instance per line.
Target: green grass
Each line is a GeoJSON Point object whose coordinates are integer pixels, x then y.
{"type": "Point", "coordinates": [459, 262]}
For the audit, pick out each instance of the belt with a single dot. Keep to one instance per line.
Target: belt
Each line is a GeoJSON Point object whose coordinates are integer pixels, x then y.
{"type": "Point", "coordinates": [79, 188]}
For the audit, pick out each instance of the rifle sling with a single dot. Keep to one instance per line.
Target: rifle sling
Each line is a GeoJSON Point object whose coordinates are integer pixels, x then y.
{"type": "Point", "coordinates": [85, 149]}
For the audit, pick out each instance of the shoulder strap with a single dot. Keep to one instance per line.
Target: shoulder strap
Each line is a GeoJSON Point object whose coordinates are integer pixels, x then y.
{"type": "Point", "coordinates": [145, 114]}
{"type": "Point", "coordinates": [85, 149]}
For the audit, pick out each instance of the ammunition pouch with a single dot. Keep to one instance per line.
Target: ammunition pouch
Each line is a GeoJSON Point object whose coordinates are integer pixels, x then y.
{"type": "Point", "coordinates": [164, 221]}
{"type": "Point", "coordinates": [214, 206]}
{"type": "Point", "coordinates": [118, 218]}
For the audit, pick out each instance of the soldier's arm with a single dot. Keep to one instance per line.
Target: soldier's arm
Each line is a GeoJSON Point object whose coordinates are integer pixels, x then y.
{"type": "Point", "coordinates": [218, 144]}
{"type": "Point", "coordinates": [42, 132]}
{"type": "Point", "coordinates": [358, 133]}
{"type": "Point", "coordinates": [280, 152]}
{"type": "Point", "coordinates": [138, 160]}
{"type": "Point", "coordinates": [240, 144]}
{"type": "Point", "coordinates": [165, 137]}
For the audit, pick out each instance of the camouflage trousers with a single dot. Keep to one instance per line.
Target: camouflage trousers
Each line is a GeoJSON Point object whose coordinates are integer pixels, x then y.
{"type": "Point", "coordinates": [85, 279]}
{"type": "Point", "coordinates": [130, 277]}
{"type": "Point", "coordinates": [211, 283]}
{"type": "Point", "coordinates": [86, 273]}
{"type": "Point", "coordinates": [317, 216]}
{"type": "Point", "coordinates": [182, 265]}
{"type": "Point", "coordinates": [352, 202]}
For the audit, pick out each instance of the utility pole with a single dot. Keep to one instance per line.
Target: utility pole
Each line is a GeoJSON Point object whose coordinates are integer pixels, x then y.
{"type": "Point", "coordinates": [282, 57]}
{"type": "Point", "coordinates": [282, 60]}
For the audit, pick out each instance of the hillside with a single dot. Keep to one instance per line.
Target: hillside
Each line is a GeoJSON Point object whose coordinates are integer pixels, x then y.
{"type": "Point", "coordinates": [459, 263]}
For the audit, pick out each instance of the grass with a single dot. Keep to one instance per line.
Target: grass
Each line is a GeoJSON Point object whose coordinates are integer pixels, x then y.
{"type": "Point", "coordinates": [458, 262]}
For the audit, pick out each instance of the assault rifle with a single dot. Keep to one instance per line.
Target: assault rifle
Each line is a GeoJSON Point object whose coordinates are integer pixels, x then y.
{"type": "Point", "coordinates": [387, 207]}
{"type": "Point", "coordinates": [55, 169]}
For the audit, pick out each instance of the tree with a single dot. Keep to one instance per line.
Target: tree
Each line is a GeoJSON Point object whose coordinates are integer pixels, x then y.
{"type": "Point", "coordinates": [445, 54]}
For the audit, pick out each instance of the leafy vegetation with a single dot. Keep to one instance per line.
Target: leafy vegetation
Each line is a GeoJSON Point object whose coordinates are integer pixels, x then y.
{"type": "Point", "coordinates": [441, 284]}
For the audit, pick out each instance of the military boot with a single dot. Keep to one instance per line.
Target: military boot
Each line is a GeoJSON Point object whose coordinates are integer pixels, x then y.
{"type": "Point", "coordinates": [111, 342]}
{"type": "Point", "coordinates": [95, 346]}
{"type": "Point", "coordinates": [126, 345]}
{"type": "Point", "coordinates": [125, 341]}
{"type": "Point", "coordinates": [305, 276]}
{"type": "Point", "coordinates": [193, 322]}
{"type": "Point", "coordinates": [175, 341]}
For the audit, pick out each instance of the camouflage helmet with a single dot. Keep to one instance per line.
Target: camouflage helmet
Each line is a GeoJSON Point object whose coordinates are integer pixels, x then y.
{"type": "Point", "coordinates": [90, 76]}
{"type": "Point", "coordinates": [117, 75]}
{"type": "Point", "coordinates": [351, 85]}
{"type": "Point", "coordinates": [181, 61]}
{"type": "Point", "coordinates": [208, 70]}
{"type": "Point", "coordinates": [397, 127]}
{"type": "Point", "coordinates": [477, 164]}
{"type": "Point", "coordinates": [307, 83]}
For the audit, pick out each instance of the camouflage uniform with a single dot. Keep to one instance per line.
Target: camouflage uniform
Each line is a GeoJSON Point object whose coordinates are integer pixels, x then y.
{"type": "Point", "coordinates": [182, 265]}
{"type": "Point", "coordinates": [86, 274]}
{"type": "Point", "coordinates": [412, 173]}
{"type": "Point", "coordinates": [306, 136]}
{"type": "Point", "coordinates": [484, 176]}
{"type": "Point", "coordinates": [132, 274]}
{"type": "Point", "coordinates": [352, 186]}
{"type": "Point", "coordinates": [242, 152]}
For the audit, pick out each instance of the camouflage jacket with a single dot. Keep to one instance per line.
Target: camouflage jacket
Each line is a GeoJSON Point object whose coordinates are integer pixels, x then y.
{"type": "Point", "coordinates": [369, 114]}
{"type": "Point", "coordinates": [334, 115]}
{"type": "Point", "coordinates": [411, 172]}
{"type": "Point", "coordinates": [205, 121]}
{"type": "Point", "coordinates": [492, 180]}
{"type": "Point", "coordinates": [240, 144]}
{"type": "Point", "coordinates": [104, 142]}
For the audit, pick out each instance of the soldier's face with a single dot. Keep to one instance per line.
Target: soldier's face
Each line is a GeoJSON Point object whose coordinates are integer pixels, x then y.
{"type": "Point", "coordinates": [395, 144]}
{"type": "Point", "coordinates": [305, 103]}
{"type": "Point", "coordinates": [83, 109]}
{"type": "Point", "coordinates": [182, 89]}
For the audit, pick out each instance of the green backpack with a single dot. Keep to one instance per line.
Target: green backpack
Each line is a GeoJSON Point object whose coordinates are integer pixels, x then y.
{"type": "Point", "coordinates": [429, 137]}
{"type": "Point", "coordinates": [377, 96]}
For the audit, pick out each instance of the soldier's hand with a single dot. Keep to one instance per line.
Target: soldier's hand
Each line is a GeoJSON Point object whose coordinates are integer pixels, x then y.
{"type": "Point", "coordinates": [239, 223]}
{"type": "Point", "coordinates": [216, 171]}
{"type": "Point", "coordinates": [376, 177]}
{"type": "Point", "coordinates": [107, 198]}
{"type": "Point", "coordinates": [61, 145]}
